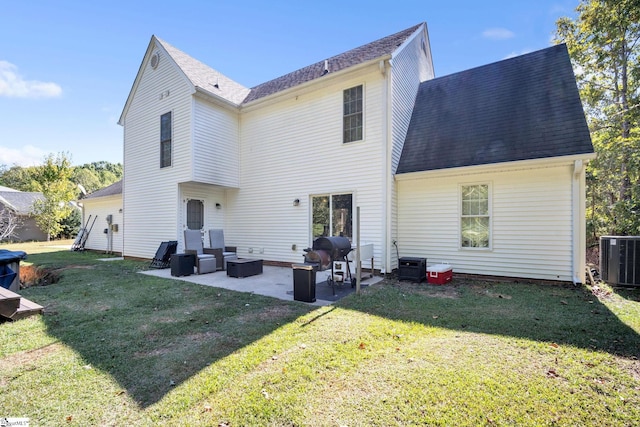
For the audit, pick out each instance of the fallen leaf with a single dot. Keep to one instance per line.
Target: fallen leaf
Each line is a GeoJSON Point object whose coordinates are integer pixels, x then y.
{"type": "Point", "coordinates": [554, 345]}
{"type": "Point", "coordinates": [362, 346]}
{"type": "Point", "coordinates": [564, 302]}
{"type": "Point", "coordinates": [551, 373]}
{"type": "Point", "coordinates": [69, 418]}
{"type": "Point", "coordinates": [435, 317]}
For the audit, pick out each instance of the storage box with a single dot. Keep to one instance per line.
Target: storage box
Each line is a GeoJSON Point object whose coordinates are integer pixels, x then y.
{"type": "Point", "coordinates": [411, 268]}
{"type": "Point", "coordinates": [439, 274]}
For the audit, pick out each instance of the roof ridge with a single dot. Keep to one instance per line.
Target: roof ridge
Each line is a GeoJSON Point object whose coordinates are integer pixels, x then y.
{"type": "Point", "coordinates": [205, 77]}
{"type": "Point", "coordinates": [368, 51]}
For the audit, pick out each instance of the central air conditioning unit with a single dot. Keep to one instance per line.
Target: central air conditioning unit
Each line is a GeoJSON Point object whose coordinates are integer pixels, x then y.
{"type": "Point", "coordinates": [620, 260]}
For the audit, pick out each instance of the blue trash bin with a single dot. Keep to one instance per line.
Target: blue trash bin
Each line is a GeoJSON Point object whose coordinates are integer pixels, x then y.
{"type": "Point", "coordinates": [10, 268]}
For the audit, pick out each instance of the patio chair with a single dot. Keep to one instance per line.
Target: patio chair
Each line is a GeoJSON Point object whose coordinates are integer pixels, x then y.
{"type": "Point", "coordinates": [224, 253]}
{"type": "Point", "coordinates": [205, 260]}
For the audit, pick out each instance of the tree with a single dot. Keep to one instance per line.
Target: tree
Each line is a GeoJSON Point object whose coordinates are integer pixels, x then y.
{"type": "Point", "coordinates": [54, 182]}
{"type": "Point", "coordinates": [603, 43]}
{"type": "Point", "coordinates": [9, 221]}
{"type": "Point", "coordinates": [19, 178]}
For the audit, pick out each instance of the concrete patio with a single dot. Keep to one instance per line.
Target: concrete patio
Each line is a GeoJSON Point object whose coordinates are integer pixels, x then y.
{"type": "Point", "coordinates": [276, 282]}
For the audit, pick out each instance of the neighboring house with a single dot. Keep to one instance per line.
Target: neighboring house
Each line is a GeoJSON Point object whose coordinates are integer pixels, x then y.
{"type": "Point", "coordinates": [289, 160]}
{"type": "Point", "coordinates": [102, 216]}
{"type": "Point", "coordinates": [21, 204]}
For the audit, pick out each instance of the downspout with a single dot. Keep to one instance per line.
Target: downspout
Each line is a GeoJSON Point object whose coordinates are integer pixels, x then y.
{"type": "Point", "coordinates": [578, 251]}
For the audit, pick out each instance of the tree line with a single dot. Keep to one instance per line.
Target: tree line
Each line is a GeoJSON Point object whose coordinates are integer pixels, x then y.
{"type": "Point", "coordinates": [603, 43]}
{"type": "Point", "coordinates": [61, 184]}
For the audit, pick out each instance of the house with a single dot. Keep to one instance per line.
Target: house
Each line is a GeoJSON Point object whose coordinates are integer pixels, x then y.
{"type": "Point", "coordinates": [102, 217]}
{"type": "Point", "coordinates": [493, 162]}
{"type": "Point", "coordinates": [287, 161]}
{"type": "Point", "coordinates": [20, 203]}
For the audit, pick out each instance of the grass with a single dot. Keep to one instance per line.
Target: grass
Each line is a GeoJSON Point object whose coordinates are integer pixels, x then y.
{"type": "Point", "coordinates": [119, 348]}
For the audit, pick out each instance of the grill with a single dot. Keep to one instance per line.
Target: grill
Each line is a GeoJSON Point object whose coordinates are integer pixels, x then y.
{"type": "Point", "coordinates": [330, 252]}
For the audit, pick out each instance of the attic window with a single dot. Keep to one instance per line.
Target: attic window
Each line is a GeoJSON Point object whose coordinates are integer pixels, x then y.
{"type": "Point", "coordinates": [155, 60]}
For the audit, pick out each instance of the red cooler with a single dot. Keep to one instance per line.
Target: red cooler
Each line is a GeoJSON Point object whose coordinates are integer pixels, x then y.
{"type": "Point", "coordinates": [439, 274]}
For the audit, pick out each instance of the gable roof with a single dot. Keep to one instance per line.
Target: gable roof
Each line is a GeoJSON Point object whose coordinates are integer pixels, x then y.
{"type": "Point", "coordinates": [527, 107]}
{"type": "Point", "coordinates": [202, 76]}
{"type": "Point", "coordinates": [384, 46]}
{"type": "Point", "coordinates": [111, 190]}
{"type": "Point", "coordinates": [20, 202]}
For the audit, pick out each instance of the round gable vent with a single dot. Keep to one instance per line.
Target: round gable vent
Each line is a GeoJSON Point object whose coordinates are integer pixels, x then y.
{"type": "Point", "coordinates": [155, 59]}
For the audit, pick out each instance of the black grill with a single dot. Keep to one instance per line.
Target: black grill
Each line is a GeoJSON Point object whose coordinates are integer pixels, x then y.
{"type": "Point", "coordinates": [325, 251]}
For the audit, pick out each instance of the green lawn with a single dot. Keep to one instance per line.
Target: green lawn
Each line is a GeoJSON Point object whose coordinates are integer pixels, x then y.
{"type": "Point", "coordinates": [119, 348]}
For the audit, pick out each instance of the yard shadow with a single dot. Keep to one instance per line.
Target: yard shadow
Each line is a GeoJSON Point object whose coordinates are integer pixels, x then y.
{"type": "Point", "coordinates": [151, 334]}
{"type": "Point", "coordinates": [567, 315]}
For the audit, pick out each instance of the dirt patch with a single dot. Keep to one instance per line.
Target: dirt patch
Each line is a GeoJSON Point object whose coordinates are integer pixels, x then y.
{"type": "Point", "coordinates": [31, 275]}
{"type": "Point", "coordinates": [431, 291]}
{"type": "Point", "coordinates": [26, 358]}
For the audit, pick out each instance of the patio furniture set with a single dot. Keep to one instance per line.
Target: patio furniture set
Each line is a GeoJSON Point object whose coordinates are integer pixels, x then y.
{"type": "Point", "coordinates": [216, 257]}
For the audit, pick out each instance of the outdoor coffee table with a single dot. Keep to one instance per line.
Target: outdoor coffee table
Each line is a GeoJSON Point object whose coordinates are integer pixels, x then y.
{"type": "Point", "coordinates": [244, 267]}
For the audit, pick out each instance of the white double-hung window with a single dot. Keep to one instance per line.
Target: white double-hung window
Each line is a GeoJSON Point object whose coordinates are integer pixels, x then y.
{"type": "Point", "coordinates": [475, 216]}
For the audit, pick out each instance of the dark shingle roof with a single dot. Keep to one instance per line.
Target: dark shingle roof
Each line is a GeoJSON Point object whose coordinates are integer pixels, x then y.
{"type": "Point", "coordinates": [19, 201]}
{"type": "Point", "coordinates": [367, 52]}
{"type": "Point", "coordinates": [527, 107]}
{"type": "Point", "coordinates": [111, 190]}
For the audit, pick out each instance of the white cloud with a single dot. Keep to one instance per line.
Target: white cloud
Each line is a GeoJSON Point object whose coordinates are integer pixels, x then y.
{"type": "Point", "coordinates": [24, 156]}
{"type": "Point", "coordinates": [13, 85]}
{"type": "Point", "coordinates": [497, 34]}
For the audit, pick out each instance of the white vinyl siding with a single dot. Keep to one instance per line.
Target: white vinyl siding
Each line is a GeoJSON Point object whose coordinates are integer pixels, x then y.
{"type": "Point", "coordinates": [292, 150]}
{"type": "Point", "coordinates": [411, 65]}
{"type": "Point", "coordinates": [216, 151]}
{"type": "Point", "coordinates": [531, 223]}
{"type": "Point", "coordinates": [99, 208]}
{"type": "Point", "coordinates": [151, 193]}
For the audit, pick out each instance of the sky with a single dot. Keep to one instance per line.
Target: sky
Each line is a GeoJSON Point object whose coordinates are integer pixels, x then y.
{"type": "Point", "coordinates": [67, 67]}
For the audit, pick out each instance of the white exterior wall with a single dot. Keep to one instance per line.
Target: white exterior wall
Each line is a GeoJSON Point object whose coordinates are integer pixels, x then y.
{"type": "Point", "coordinates": [99, 208]}
{"type": "Point", "coordinates": [293, 149]}
{"type": "Point", "coordinates": [216, 151]}
{"type": "Point", "coordinates": [213, 217]}
{"type": "Point", "coordinates": [151, 193]}
{"type": "Point", "coordinates": [532, 226]}
{"type": "Point", "coordinates": [410, 66]}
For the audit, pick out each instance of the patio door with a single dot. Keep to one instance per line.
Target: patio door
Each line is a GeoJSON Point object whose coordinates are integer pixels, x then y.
{"type": "Point", "coordinates": [332, 215]}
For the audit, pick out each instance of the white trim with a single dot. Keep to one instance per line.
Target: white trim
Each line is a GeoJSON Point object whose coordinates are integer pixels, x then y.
{"type": "Point", "coordinates": [502, 167]}
{"type": "Point", "coordinates": [489, 184]}
{"type": "Point", "coordinates": [364, 114]}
